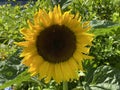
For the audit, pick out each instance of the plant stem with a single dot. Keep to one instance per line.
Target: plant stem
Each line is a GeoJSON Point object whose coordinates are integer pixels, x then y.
{"type": "Point", "coordinates": [65, 85]}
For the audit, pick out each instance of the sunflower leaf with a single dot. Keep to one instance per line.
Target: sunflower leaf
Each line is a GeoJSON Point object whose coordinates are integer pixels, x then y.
{"type": "Point", "coordinates": [106, 78]}
{"type": "Point", "coordinates": [24, 76]}
{"type": "Point", "coordinates": [103, 31]}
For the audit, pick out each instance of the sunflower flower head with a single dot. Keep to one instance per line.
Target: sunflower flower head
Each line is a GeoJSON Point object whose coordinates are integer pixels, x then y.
{"type": "Point", "coordinates": [55, 45]}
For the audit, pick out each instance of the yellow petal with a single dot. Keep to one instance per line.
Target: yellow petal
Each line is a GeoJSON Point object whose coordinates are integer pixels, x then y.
{"type": "Point", "coordinates": [51, 72]}
{"type": "Point", "coordinates": [43, 68]}
{"type": "Point", "coordinates": [58, 73]}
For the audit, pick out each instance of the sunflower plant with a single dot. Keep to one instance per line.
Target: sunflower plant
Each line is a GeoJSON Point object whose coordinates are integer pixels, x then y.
{"type": "Point", "coordinates": [53, 43]}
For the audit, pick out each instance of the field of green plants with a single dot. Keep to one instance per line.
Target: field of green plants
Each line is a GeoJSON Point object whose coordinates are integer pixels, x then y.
{"type": "Point", "coordinates": [101, 73]}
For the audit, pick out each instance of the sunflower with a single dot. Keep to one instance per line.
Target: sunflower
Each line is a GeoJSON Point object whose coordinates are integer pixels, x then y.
{"type": "Point", "coordinates": [55, 45]}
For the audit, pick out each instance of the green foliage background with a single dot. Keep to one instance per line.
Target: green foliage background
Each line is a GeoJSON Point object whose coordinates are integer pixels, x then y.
{"type": "Point", "coordinates": [102, 73]}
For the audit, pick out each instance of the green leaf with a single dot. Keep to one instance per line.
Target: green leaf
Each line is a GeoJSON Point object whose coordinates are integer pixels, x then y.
{"type": "Point", "coordinates": [103, 31]}
{"type": "Point", "coordinates": [24, 76]}
{"type": "Point", "coordinates": [105, 86]}
{"type": "Point", "coordinates": [106, 78]}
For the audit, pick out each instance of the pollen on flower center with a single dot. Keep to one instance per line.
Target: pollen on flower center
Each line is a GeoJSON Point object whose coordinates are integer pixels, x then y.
{"type": "Point", "coordinates": [56, 43]}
